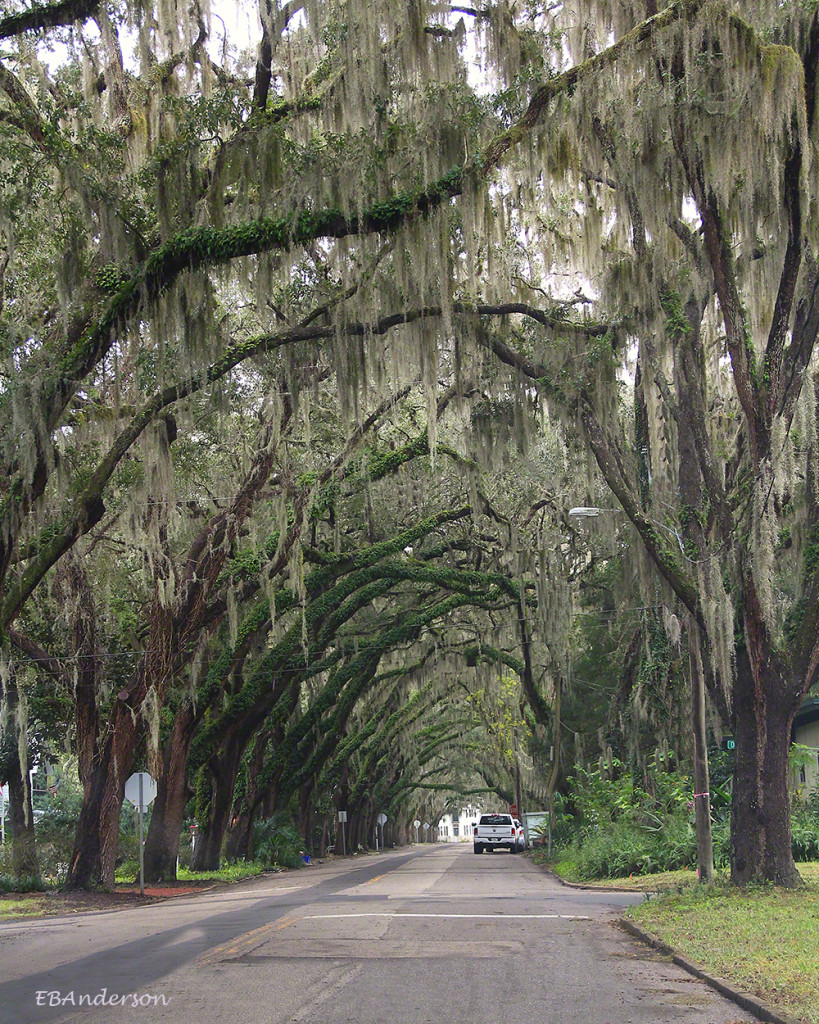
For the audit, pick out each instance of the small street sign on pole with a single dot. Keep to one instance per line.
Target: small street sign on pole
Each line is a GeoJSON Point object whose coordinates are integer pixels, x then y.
{"type": "Point", "coordinates": [342, 818]}
{"type": "Point", "coordinates": [380, 820]}
{"type": "Point", "coordinates": [417, 825]}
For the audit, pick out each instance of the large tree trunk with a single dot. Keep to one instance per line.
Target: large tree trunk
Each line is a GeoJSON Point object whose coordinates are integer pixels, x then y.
{"type": "Point", "coordinates": [760, 811]}
{"type": "Point", "coordinates": [172, 794]}
{"type": "Point", "coordinates": [239, 841]}
{"type": "Point", "coordinates": [21, 820]}
{"type": "Point", "coordinates": [15, 769]}
{"type": "Point", "coordinates": [93, 860]}
{"type": "Point", "coordinates": [688, 365]}
{"type": "Point", "coordinates": [208, 852]}
{"type": "Point", "coordinates": [702, 785]}
{"type": "Point", "coordinates": [85, 869]}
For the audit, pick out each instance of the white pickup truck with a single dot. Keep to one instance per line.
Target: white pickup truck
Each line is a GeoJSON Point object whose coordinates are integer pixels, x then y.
{"type": "Point", "coordinates": [494, 830]}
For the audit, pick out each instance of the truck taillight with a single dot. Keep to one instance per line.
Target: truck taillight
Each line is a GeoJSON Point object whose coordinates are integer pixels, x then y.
{"type": "Point", "coordinates": [474, 830]}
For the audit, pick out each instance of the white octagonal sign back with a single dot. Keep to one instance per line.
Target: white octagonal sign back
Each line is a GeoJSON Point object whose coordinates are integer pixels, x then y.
{"type": "Point", "coordinates": [148, 790]}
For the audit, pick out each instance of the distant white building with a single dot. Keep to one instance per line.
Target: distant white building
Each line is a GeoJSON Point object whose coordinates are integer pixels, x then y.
{"type": "Point", "coordinates": [452, 829]}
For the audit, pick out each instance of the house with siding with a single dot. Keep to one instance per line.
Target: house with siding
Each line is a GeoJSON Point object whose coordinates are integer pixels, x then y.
{"type": "Point", "coordinates": [806, 733]}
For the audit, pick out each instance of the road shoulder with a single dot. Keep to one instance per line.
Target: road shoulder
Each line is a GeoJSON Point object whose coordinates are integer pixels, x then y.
{"type": "Point", "coordinates": [745, 1000]}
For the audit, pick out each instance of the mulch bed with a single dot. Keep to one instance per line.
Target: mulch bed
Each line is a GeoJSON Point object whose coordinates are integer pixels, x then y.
{"type": "Point", "coordinates": [165, 891]}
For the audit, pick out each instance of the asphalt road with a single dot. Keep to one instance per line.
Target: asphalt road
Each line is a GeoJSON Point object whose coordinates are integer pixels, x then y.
{"type": "Point", "coordinates": [434, 934]}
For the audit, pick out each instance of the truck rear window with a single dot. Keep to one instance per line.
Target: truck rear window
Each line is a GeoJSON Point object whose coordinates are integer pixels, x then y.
{"type": "Point", "coordinates": [495, 819]}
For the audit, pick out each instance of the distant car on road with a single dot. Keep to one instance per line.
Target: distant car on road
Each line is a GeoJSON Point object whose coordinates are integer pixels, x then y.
{"type": "Point", "coordinates": [497, 830]}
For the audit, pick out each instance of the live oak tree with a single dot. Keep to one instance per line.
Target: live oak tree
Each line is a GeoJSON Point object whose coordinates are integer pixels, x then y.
{"type": "Point", "coordinates": [697, 227]}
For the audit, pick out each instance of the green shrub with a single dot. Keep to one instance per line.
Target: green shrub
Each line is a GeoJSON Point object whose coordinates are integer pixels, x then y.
{"type": "Point", "coordinates": [185, 851]}
{"type": "Point", "coordinates": [721, 839]}
{"type": "Point", "coordinates": [23, 883]}
{"type": "Point", "coordinates": [622, 848]}
{"type": "Point", "coordinates": [619, 828]}
{"type": "Point", "coordinates": [805, 830]}
{"type": "Point", "coordinates": [276, 841]}
{"type": "Point", "coordinates": [127, 872]}
{"type": "Point", "coordinates": [54, 834]}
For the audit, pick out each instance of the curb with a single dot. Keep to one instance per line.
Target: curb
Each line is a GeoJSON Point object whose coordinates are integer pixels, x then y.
{"type": "Point", "coordinates": [586, 887]}
{"type": "Point", "coordinates": [744, 1000]}
{"type": "Point", "coordinates": [191, 892]}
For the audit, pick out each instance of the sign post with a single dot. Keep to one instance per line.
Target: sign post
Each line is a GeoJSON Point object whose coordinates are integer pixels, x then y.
{"type": "Point", "coordinates": [140, 790]}
{"type": "Point", "coordinates": [141, 851]}
{"type": "Point", "coordinates": [417, 825]}
{"type": "Point", "coordinates": [380, 820]}
{"type": "Point", "coordinates": [426, 829]}
{"type": "Point", "coordinates": [2, 815]}
{"type": "Point", "coordinates": [342, 818]}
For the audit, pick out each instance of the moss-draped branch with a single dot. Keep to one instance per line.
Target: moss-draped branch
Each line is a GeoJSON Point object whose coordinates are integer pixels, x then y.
{"type": "Point", "coordinates": [39, 17]}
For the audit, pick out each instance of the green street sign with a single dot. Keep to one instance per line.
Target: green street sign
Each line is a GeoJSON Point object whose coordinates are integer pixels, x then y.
{"type": "Point", "coordinates": [729, 743]}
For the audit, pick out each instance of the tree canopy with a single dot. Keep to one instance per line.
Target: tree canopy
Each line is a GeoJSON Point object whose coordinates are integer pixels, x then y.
{"type": "Point", "coordinates": [314, 332]}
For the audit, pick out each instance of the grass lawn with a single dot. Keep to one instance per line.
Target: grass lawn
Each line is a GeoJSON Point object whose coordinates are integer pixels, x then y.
{"type": "Point", "coordinates": [230, 873]}
{"type": "Point", "coordinates": [764, 940]}
{"type": "Point", "coordinates": [645, 883]}
{"type": "Point", "coordinates": [34, 905]}
{"type": "Point", "coordinates": [660, 882]}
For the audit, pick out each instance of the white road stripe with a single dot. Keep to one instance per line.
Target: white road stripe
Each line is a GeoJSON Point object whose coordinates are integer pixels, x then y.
{"type": "Point", "coordinates": [491, 917]}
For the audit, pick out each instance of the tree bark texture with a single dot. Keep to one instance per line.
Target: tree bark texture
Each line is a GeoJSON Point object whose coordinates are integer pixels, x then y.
{"type": "Point", "coordinates": [93, 860]}
{"type": "Point", "coordinates": [760, 810]}
{"type": "Point", "coordinates": [172, 794]}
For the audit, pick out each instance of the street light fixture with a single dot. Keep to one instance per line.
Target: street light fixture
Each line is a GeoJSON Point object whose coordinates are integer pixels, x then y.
{"type": "Point", "coordinates": [590, 511]}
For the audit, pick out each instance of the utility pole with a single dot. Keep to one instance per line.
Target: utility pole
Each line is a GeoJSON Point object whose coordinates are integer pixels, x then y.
{"type": "Point", "coordinates": [702, 795]}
